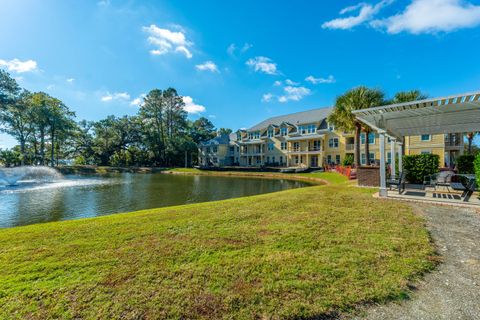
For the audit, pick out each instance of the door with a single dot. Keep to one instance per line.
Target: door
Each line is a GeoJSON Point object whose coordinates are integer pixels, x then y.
{"type": "Point", "coordinates": [314, 162]}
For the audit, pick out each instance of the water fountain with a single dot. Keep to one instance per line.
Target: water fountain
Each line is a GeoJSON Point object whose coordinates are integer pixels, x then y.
{"type": "Point", "coordinates": [31, 174]}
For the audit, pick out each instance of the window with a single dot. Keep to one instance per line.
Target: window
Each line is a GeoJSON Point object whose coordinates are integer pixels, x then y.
{"type": "Point", "coordinates": [283, 145]}
{"type": "Point", "coordinates": [281, 160]}
{"type": "Point", "coordinates": [337, 159]}
{"type": "Point", "coordinates": [271, 146]}
{"type": "Point", "coordinates": [232, 149]}
{"type": "Point", "coordinates": [316, 145]}
{"type": "Point", "coordinates": [214, 149]}
{"type": "Point", "coordinates": [270, 133]}
{"type": "Point", "coordinates": [371, 138]}
{"type": "Point", "coordinates": [389, 157]}
{"type": "Point", "coordinates": [333, 142]}
{"type": "Point", "coordinates": [215, 160]}
{"type": "Point", "coordinates": [331, 127]}
{"type": "Point", "coordinates": [268, 159]}
{"type": "Point", "coordinates": [239, 136]}
{"type": "Point", "coordinates": [426, 152]}
{"type": "Point", "coordinates": [425, 137]}
{"type": "Point", "coordinates": [273, 159]}
{"type": "Point", "coordinates": [307, 129]}
{"type": "Point", "coordinates": [329, 159]}
{"type": "Point", "coordinates": [208, 149]}
{"type": "Point", "coordinates": [283, 131]}
{"type": "Point", "coordinates": [296, 146]}
{"type": "Point", "coordinates": [363, 159]}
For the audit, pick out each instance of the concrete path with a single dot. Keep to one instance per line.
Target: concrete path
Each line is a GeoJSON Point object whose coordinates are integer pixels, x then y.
{"type": "Point", "coordinates": [453, 290]}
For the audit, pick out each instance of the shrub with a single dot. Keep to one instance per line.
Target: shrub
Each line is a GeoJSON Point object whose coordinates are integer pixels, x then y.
{"type": "Point", "coordinates": [348, 160]}
{"type": "Point", "coordinates": [418, 166]}
{"type": "Point", "coordinates": [465, 164]}
{"type": "Point", "coordinates": [477, 168]}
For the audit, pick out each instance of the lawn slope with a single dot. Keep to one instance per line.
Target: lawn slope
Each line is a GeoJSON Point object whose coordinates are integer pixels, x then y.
{"type": "Point", "coordinates": [298, 253]}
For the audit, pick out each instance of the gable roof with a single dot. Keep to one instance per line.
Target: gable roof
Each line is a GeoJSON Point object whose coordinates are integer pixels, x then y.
{"type": "Point", "coordinates": [315, 115]}
{"type": "Point", "coordinates": [223, 139]}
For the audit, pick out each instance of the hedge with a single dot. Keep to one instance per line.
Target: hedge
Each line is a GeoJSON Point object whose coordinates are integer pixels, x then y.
{"type": "Point", "coordinates": [419, 166]}
{"type": "Point", "coordinates": [477, 168]}
{"type": "Point", "coordinates": [465, 164]}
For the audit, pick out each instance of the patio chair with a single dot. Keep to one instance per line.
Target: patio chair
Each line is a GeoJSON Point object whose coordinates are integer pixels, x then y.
{"type": "Point", "coordinates": [399, 182]}
{"type": "Point", "coordinates": [442, 179]}
{"type": "Point", "coordinates": [464, 184]}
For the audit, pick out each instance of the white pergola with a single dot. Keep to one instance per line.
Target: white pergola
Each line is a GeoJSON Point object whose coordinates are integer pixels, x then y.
{"type": "Point", "coordinates": [452, 114]}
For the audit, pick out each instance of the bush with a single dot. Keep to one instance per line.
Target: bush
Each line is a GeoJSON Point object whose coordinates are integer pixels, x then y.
{"type": "Point", "coordinates": [465, 164]}
{"type": "Point", "coordinates": [348, 160]}
{"type": "Point", "coordinates": [418, 166]}
{"type": "Point", "coordinates": [477, 168]}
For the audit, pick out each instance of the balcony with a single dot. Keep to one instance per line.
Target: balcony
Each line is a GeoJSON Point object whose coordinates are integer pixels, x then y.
{"type": "Point", "coordinates": [349, 146]}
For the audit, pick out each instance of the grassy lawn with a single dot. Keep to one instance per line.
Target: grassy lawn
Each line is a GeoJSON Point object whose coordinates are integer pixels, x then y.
{"type": "Point", "coordinates": [292, 254]}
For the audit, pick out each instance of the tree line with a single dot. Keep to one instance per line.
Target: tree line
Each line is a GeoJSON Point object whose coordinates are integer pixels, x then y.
{"type": "Point", "coordinates": [160, 134]}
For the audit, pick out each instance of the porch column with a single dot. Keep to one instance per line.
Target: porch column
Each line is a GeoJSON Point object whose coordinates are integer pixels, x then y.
{"type": "Point", "coordinates": [400, 160]}
{"type": "Point", "coordinates": [383, 179]}
{"type": "Point", "coordinates": [393, 154]}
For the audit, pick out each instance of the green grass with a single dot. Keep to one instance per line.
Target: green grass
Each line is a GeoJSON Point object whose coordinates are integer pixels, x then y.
{"type": "Point", "coordinates": [329, 177]}
{"type": "Point", "coordinates": [292, 254]}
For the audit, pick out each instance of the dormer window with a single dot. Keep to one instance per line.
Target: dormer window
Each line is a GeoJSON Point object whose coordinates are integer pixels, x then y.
{"type": "Point", "coordinates": [331, 127]}
{"type": "Point", "coordinates": [283, 131]}
{"type": "Point", "coordinates": [307, 129]}
{"type": "Point", "coordinates": [270, 132]}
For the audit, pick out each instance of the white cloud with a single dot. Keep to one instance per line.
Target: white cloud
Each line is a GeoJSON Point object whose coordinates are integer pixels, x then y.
{"type": "Point", "coordinates": [50, 86]}
{"type": "Point", "coordinates": [232, 49]}
{"type": "Point", "coordinates": [432, 16]}
{"type": "Point", "coordinates": [294, 94]}
{"type": "Point", "coordinates": [267, 97]}
{"type": "Point", "coordinates": [19, 66]}
{"type": "Point", "coordinates": [118, 96]}
{"type": "Point", "coordinates": [291, 83]}
{"type": "Point", "coordinates": [277, 83]}
{"type": "Point", "coordinates": [207, 66]}
{"type": "Point", "coordinates": [263, 64]}
{"type": "Point", "coordinates": [313, 80]}
{"type": "Point", "coordinates": [138, 101]}
{"type": "Point", "coordinates": [70, 80]}
{"type": "Point", "coordinates": [246, 47]}
{"type": "Point", "coordinates": [365, 13]}
{"type": "Point", "coordinates": [166, 40]}
{"type": "Point", "coordinates": [192, 107]}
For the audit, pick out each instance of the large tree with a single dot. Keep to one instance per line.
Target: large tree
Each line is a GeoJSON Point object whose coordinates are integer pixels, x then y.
{"type": "Point", "coordinates": [343, 118]}
{"type": "Point", "coordinates": [407, 96]}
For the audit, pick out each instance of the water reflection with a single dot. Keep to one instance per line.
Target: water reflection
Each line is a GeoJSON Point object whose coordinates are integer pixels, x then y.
{"type": "Point", "coordinates": [79, 197]}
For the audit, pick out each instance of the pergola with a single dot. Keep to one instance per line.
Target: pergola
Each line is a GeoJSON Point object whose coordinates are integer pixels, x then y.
{"type": "Point", "coordinates": [452, 114]}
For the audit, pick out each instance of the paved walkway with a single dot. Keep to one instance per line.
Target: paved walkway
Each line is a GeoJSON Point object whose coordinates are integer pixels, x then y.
{"type": "Point", "coordinates": [453, 290]}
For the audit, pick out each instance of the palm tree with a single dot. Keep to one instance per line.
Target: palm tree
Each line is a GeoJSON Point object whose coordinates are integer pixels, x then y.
{"type": "Point", "coordinates": [407, 96]}
{"type": "Point", "coordinates": [470, 136]}
{"type": "Point", "coordinates": [343, 118]}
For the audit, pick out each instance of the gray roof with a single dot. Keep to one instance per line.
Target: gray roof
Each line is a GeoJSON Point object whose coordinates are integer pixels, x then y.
{"type": "Point", "coordinates": [223, 139]}
{"type": "Point", "coordinates": [303, 117]}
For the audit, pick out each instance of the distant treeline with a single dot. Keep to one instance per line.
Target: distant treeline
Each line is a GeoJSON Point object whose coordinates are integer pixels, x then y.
{"type": "Point", "coordinates": [158, 135]}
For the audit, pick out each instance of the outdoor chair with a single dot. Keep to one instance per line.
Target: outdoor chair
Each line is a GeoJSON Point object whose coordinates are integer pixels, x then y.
{"type": "Point", "coordinates": [464, 184]}
{"type": "Point", "coordinates": [399, 182]}
{"type": "Point", "coordinates": [442, 179]}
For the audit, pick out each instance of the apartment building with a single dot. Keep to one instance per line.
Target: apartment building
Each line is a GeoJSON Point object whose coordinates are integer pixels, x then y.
{"type": "Point", "coordinates": [306, 139]}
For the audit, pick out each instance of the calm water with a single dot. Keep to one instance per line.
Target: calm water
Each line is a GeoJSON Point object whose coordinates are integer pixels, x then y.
{"type": "Point", "coordinates": [88, 196]}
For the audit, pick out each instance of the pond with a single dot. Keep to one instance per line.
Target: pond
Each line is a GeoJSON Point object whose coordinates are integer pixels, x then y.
{"type": "Point", "coordinates": [80, 196]}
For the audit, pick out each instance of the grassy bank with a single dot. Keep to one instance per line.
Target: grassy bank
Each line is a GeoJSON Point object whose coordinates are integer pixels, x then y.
{"type": "Point", "coordinates": [291, 254]}
{"type": "Point", "coordinates": [324, 177]}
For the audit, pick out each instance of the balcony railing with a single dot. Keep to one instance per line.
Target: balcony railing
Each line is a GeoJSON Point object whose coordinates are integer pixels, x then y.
{"type": "Point", "coordinates": [350, 146]}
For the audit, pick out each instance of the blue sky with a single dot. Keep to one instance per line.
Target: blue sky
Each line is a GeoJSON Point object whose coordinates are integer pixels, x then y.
{"type": "Point", "coordinates": [237, 62]}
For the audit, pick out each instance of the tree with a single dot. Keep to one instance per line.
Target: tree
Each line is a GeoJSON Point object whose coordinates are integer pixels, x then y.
{"type": "Point", "coordinates": [17, 120]}
{"type": "Point", "coordinates": [201, 130]}
{"type": "Point", "coordinates": [470, 136]}
{"type": "Point", "coordinates": [407, 96]}
{"type": "Point", "coordinates": [9, 89]}
{"type": "Point", "coordinates": [343, 118]}
{"type": "Point", "coordinates": [224, 131]}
